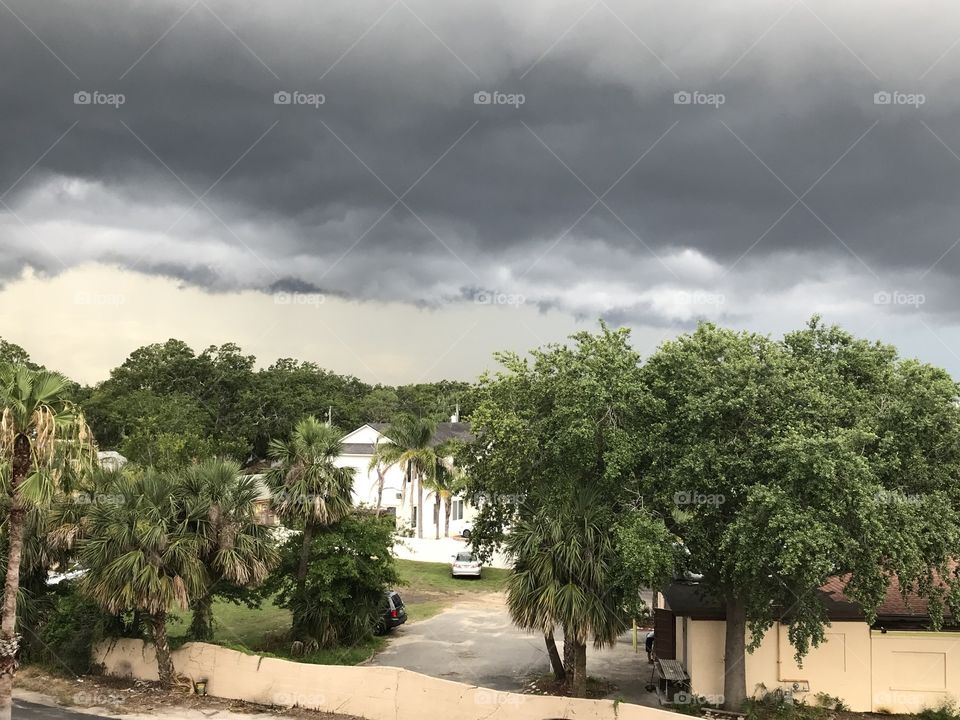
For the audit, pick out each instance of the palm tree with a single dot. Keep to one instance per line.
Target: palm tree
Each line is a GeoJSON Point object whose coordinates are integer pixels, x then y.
{"type": "Point", "coordinates": [140, 555]}
{"type": "Point", "coordinates": [217, 502]}
{"type": "Point", "coordinates": [410, 445]}
{"type": "Point", "coordinates": [306, 486]}
{"type": "Point", "coordinates": [43, 441]}
{"type": "Point", "coordinates": [562, 578]}
{"type": "Point", "coordinates": [443, 483]}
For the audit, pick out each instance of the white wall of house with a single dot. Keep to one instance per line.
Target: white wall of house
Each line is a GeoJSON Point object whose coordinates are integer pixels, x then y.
{"type": "Point", "coordinates": [871, 670]}
{"type": "Point", "coordinates": [366, 482]}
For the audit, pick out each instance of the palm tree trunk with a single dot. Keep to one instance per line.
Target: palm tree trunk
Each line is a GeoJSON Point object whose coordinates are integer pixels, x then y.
{"type": "Point", "coordinates": [380, 480]}
{"type": "Point", "coordinates": [303, 567]}
{"type": "Point", "coordinates": [446, 520]}
{"type": "Point", "coordinates": [201, 627]}
{"type": "Point", "coordinates": [158, 622]}
{"type": "Point", "coordinates": [420, 506]}
{"type": "Point", "coordinates": [579, 688]}
{"type": "Point", "coordinates": [20, 467]}
{"type": "Point", "coordinates": [436, 514]}
{"type": "Point", "coordinates": [305, 556]}
{"type": "Point", "coordinates": [558, 672]}
{"type": "Point", "coordinates": [569, 654]}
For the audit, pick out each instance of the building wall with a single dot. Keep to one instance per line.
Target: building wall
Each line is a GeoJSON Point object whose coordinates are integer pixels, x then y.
{"type": "Point", "coordinates": [914, 670]}
{"type": "Point", "coordinates": [869, 670]}
{"type": "Point", "coordinates": [366, 482]}
{"type": "Point", "coordinates": [375, 693]}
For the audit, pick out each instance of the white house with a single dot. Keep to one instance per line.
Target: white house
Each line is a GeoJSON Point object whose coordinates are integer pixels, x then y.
{"type": "Point", "coordinates": [358, 450]}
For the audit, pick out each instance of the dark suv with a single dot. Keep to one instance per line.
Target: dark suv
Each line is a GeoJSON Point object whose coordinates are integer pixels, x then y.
{"type": "Point", "coordinates": [394, 614]}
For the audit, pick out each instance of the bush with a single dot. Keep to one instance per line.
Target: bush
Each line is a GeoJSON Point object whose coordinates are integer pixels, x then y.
{"type": "Point", "coordinates": [351, 567]}
{"type": "Point", "coordinates": [69, 628]}
{"type": "Point", "coordinates": [947, 710]}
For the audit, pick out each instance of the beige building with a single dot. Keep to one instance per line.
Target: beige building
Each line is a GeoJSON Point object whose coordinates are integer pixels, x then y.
{"type": "Point", "coordinates": [896, 665]}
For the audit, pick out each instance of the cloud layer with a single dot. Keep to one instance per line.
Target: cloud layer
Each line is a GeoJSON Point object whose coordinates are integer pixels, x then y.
{"type": "Point", "coordinates": [649, 162]}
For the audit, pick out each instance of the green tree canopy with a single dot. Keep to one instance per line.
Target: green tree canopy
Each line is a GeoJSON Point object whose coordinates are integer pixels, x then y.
{"type": "Point", "coordinates": [794, 461]}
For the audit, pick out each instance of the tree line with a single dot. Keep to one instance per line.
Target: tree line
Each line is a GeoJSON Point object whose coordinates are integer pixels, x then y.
{"type": "Point", "coordinates": [166, 405]}
{"type": "Point", "coordinates": [761, 466]}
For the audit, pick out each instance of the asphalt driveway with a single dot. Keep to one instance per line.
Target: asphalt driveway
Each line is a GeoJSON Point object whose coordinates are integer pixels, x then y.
{"type": "Point", "coordinates": [474, 642]}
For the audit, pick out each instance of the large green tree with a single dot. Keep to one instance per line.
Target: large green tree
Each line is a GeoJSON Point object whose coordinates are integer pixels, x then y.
{"type": "Point", "coordinates": [550, 431]}
{"type": "Point", "coordinates": [796, 460]}
{"type": "Point", "coordinates": [43, 442]}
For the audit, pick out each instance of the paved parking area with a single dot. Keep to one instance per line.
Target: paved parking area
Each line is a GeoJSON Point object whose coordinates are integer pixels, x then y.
{"type": "Point", "coordinates": [475, 642]}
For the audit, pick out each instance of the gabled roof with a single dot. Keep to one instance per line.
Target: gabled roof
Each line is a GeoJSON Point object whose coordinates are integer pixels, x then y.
{"type": "Point", "coordinates": [691, 599]}
{"type": "Point", "coordinates": [446, 431]}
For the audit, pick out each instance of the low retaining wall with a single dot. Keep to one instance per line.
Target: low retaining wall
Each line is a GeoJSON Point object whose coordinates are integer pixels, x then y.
{"type": "Point", "coordinates": [375, 693]}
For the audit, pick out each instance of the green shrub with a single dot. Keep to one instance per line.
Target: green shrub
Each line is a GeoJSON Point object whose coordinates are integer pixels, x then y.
{"type": "Point", "coordinates": [351, 566]}
{"type": "Point", "coordinates": [946, 710]}
{"type": "Point", "coordinates": [68, 630]}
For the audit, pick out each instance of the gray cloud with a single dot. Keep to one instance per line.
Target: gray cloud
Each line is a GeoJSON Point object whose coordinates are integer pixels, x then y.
{"type": "Point", "coordinates": [494, 198]}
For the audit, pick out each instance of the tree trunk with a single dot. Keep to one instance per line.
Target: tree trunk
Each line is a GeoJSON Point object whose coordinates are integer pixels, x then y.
{"type": "Point", "coordinates": [569, 653]}
{"type": "Point", "coordinates": [201, 627]}
{"type": "Point", "coordinates": [20, 468]}
{"type": "Point", "coordinates": [165, 669]}
{"type": "Point", "coordinates": [555, 662]}
{"type": "Point", "coordinates": [446, 517]}
{"type": "Point", "coordinates": [380, 479]}
{"type": "Point", "coordinates": [579, 687]}
{"type": "Point", "coordinates": [420, 512]}
{"type": "Point", "coordinates": [734, 650]}
{"type": "Point", "coordinates": [436, 514]}
{"type": "Point", "coordinates": [305, 556]}
{"type": "Point", "coordinates": [308, 531]}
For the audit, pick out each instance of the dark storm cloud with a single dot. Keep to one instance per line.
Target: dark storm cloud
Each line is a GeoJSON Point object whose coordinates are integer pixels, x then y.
{"type": "Point", "coordinates": [300, 195]}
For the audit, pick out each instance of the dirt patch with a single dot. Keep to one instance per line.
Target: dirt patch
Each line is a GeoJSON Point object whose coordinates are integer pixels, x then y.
{"type": "Point", "coordinates": [597, 688]}
{"type": "Point", "coordinates": [122, 696]}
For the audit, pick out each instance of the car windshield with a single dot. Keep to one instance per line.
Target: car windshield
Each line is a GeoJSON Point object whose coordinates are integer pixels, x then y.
{"type": "Point", "coordinates": [465, 557]}
{"type": "Point", "coordinates": [397, 602]}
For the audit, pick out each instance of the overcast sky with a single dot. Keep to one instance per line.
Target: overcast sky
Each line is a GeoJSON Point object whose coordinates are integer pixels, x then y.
{"type": "Point", "coordinates": [397, 188]}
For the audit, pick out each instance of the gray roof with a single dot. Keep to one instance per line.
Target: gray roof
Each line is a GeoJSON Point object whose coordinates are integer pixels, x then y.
{"type": "Point", "coordinates": [446, 431]}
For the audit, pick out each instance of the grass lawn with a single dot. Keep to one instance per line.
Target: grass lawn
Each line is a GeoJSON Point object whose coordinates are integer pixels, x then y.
{"type": "Point", "coordinates": [427, 589]}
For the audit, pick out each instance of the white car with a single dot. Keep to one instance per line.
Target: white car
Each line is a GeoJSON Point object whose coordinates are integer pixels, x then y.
{"type": "Point", "coordinates": [465, 565]}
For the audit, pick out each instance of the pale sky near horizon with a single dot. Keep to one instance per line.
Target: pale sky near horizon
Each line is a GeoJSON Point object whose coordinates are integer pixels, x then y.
{"type": "Point", "coordinates": [456, 178]}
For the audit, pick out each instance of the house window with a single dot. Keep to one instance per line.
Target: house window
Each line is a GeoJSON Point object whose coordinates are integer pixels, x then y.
{"type": "Point", "coordinates": [456, 512]}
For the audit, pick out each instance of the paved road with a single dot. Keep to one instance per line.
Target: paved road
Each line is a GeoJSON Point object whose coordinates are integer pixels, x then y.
{"type": "Point", "coordinates": [475, 643]}
{"type": "Point", "coordinates": [23, 710]}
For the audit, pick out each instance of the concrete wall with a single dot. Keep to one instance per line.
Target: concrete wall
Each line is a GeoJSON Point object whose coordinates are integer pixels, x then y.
{"type": "Point", "coordinates": [376, 693]}
{"type": "Point", "coordinates": [896, 671]}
